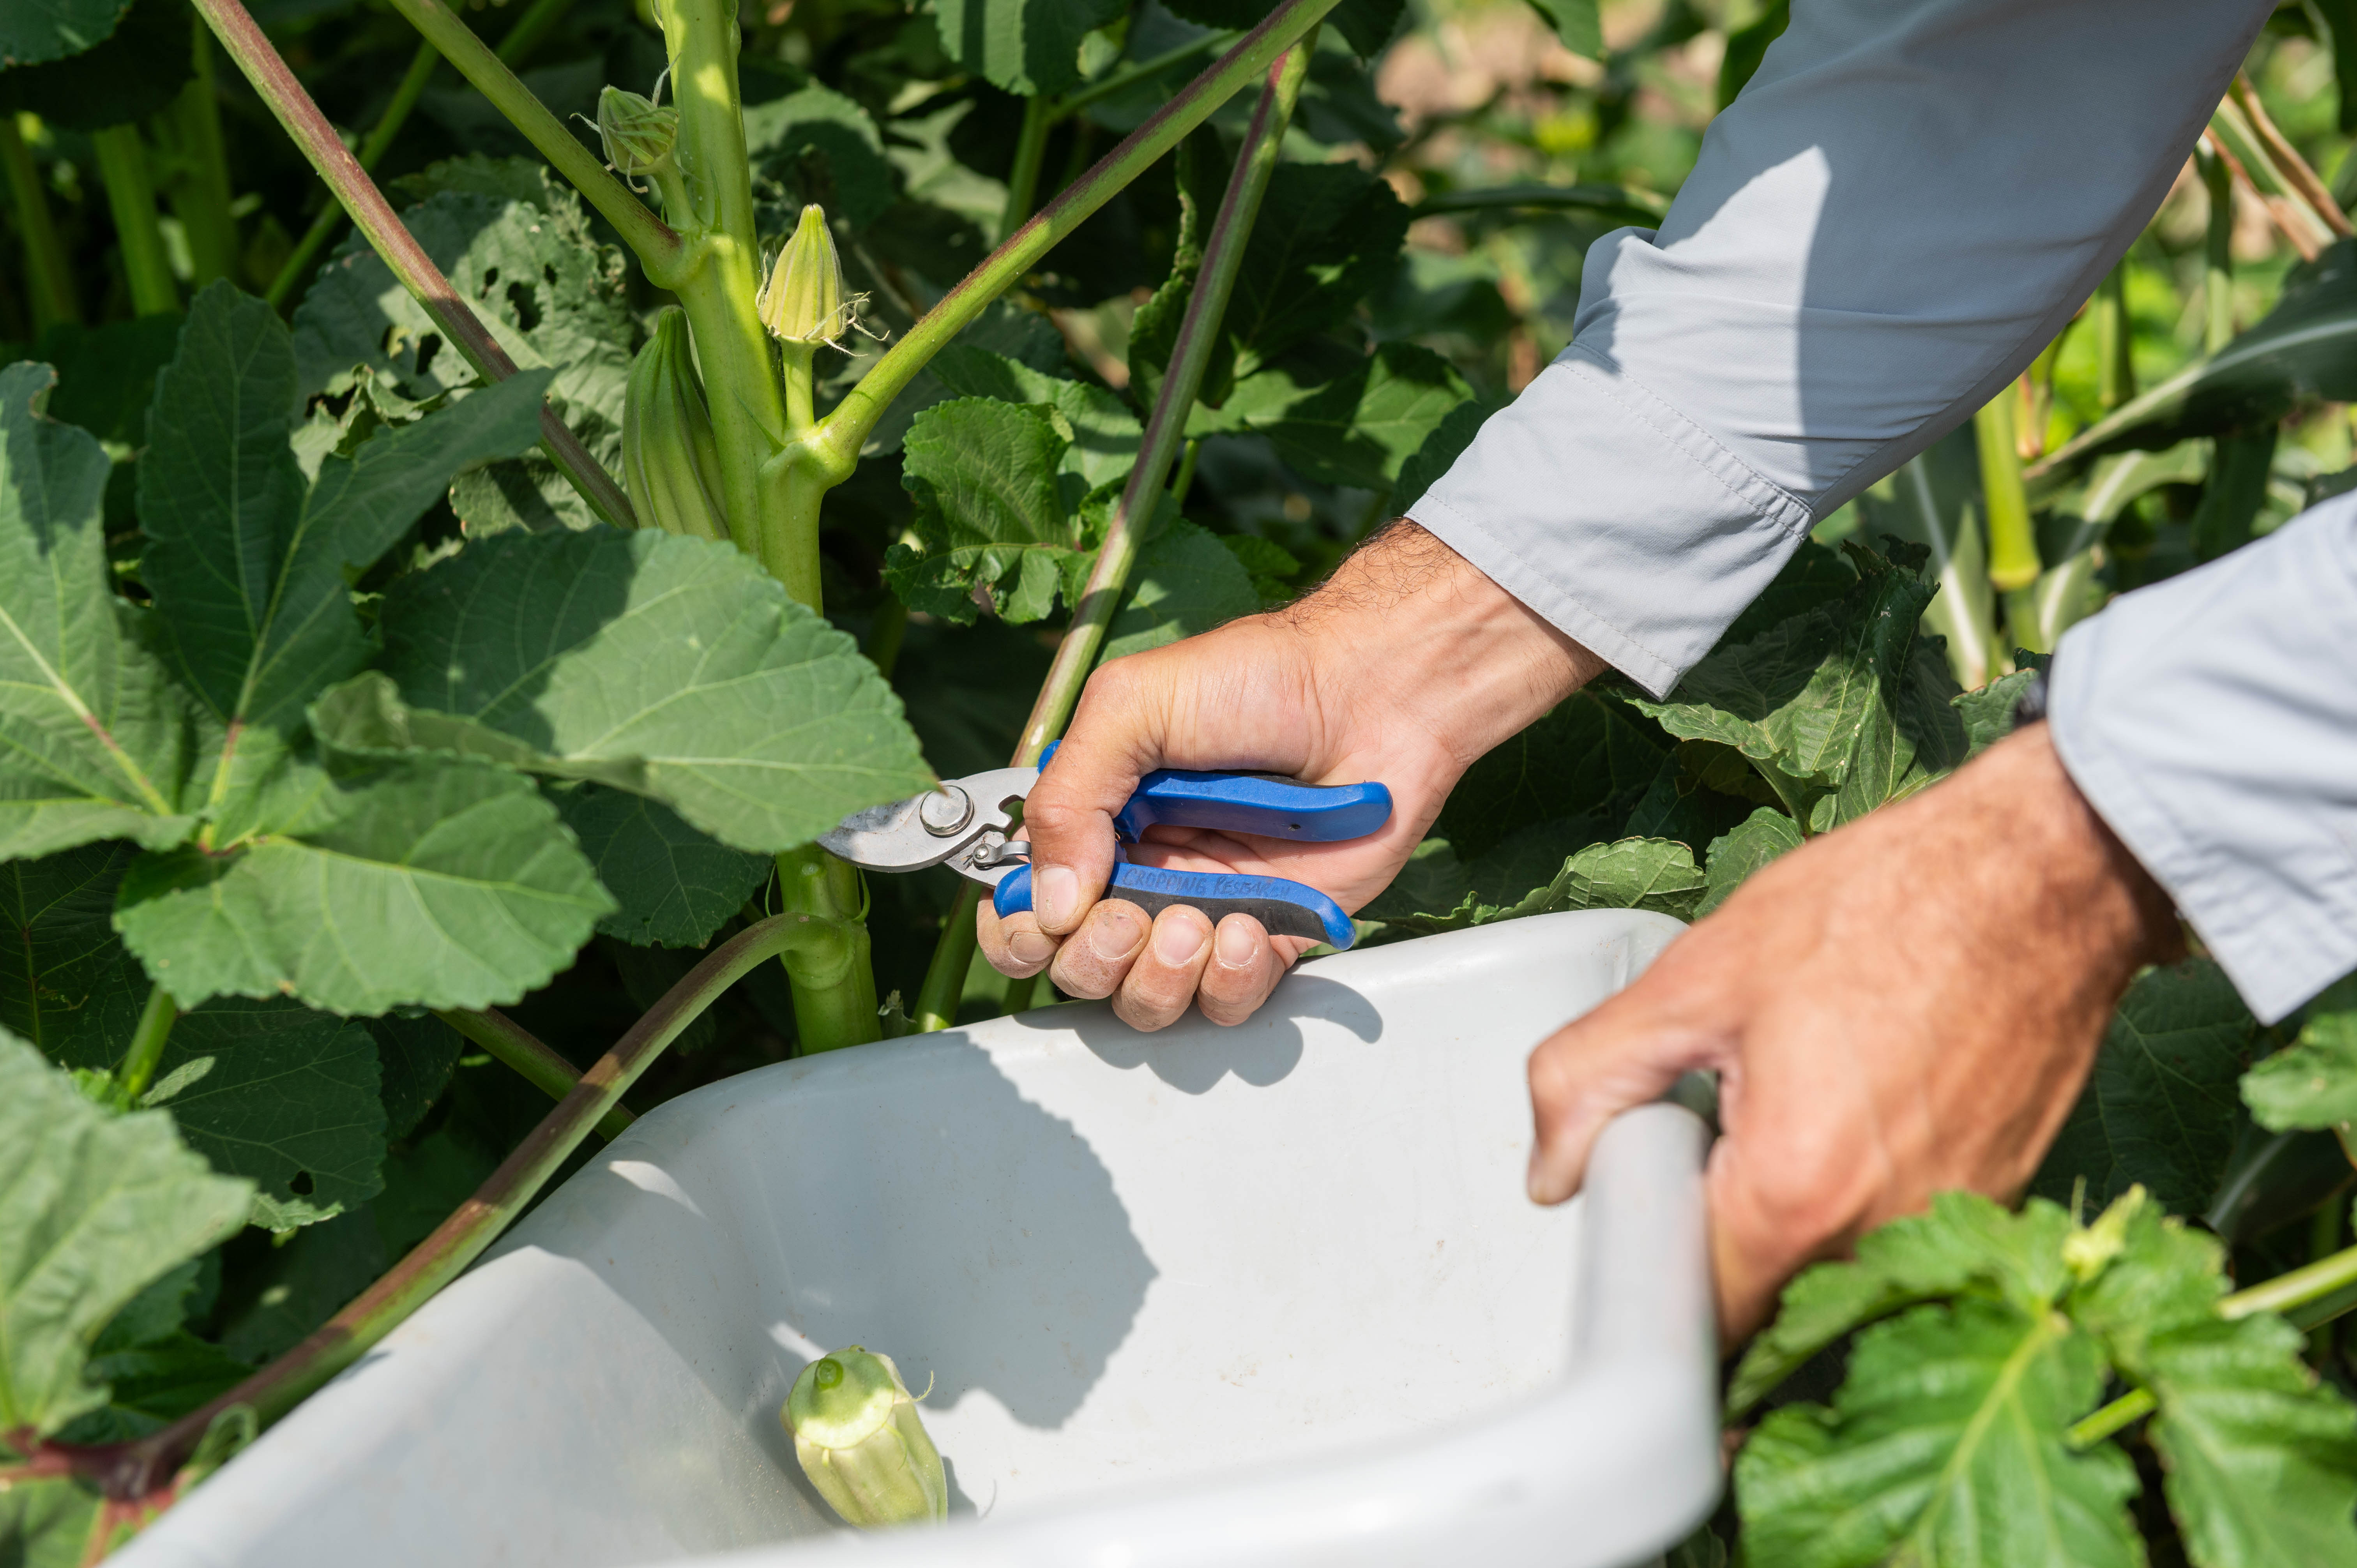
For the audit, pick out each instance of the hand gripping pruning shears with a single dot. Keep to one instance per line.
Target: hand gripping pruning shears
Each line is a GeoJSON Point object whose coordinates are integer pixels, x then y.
{"type": "Point", "coordinates": [968, 825]}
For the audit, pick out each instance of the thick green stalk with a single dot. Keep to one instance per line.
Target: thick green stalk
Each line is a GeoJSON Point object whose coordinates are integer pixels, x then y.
{"type": "Point", "coordinates": [1166, 432]}
{"type": "Point", "coordinates": [841, 433]}
{"type": "Point", "coordinates": [2013, 546]}
{"type": "Point", "coordinates": [197, 186]}
{"type": "Point", "coordinates": [416, 270]}
{"type": "Point", "coordinates": [835, 984]}
{"type": "Point", "coordinates": [539, 1064]}
{"type": "Point", "coordinates": [48, 276]}
{"type": "Point", "coordinates": [1023, 179]}
{"type": "Point", "coordinates": [530, 28]}
{"type": "Point", "coordinates": [2114, 341]}
{"type": "Point", "coordinates": [138, 1069]}
{"type": "Point", "coordinates": [2218, 251]}
{"type": "Point", "coordinates": [461, 1239]}
{"type": "Point", "coordinates": [719, 284]}
{"type": "Point", "coordinates": [658, 248]}
{"type": "Point", "coordinates": [130, 195]}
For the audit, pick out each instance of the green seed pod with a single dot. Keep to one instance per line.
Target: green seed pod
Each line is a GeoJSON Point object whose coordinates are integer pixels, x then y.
{"type": "Point", "coordinates": [861, 1444]}
{"type": "Point", "coordinates": [671, 465]}
{"type": "Point", "coordinates": [803, 302]}
{"type": "Point", "coordinates": [639, 135]}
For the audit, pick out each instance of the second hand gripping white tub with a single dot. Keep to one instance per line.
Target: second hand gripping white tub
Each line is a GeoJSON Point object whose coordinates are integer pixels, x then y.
{"type": "Point", "coordinates": [1261, 1295]}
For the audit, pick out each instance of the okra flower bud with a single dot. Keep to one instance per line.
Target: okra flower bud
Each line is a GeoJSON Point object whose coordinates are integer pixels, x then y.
{"type": "Point", "coordinates": [638, 133]}
{"type": "Point", "coordinates": [803, 301]}
{"type": "Point", "coordinates": [861, 1444]}
{"type": "Point", "coordinates": [671, 465]}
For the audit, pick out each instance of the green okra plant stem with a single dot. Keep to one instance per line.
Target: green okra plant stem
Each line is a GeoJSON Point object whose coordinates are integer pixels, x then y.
{"type": "Point", "coordinates": [1166, 432]}
{"type": "Point", "coordinates": [198, 186]}
{"type": "Point", "coordinates": [131, 197]}
{"type": "Point", "coordinates": [507, 1041]}
{"type": "Point", "coordinates": [236, 29]}
{"type": "Point", "coordinates": [48, 276]}
{"type": "Point", "coordinates": [147, 1049]}
{"type": "Point", "coordinates": [2217, 250]}
{"type": "Point", "coordinates": [139, 1469]}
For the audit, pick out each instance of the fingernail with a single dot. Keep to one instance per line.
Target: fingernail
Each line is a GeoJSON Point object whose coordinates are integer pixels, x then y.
{"type": "Point", "coordinates": [1029, 946]}
{"type": "Point", "coordinates": [1055, 893]}
{"type": "Point", "coordinates": [1112, 934]}
{"type": "Point", "coordinates": [1176, 941]}
{"type": "Point", "coordinates": [1531, 1182]}
{"type": "Point", "coordinates": [1234, 943]}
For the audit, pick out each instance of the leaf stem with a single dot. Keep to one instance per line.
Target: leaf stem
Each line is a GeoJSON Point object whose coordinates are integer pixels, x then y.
{"type": "Point", "coordinates": [845, 430]}
{"type": "Point", "coordinates": [138, 1069]}
{"type": "Point", "coordinates": [2114, 340]}
{"type": "Point", "coordinates": [2313, 1283]}
{"type": "Point", "coordinates": [1023, 179]}
{"type": "Point", "coordinates": [541, 1065]}
{"type": "Point", "coordinates": [407, 260]}
{"type": "Point", "coordinates": [196, 169]}
{"type": "Point", "coordinates": [2124, 1411]}
{"type": "Point", "coordinates": [1104, 87]}
{"type": "Point", "coordinates": [461, 1239]}
{"type": "Point", "coordinates": [2218, 251]}
{"type": "Point", "coordinates": [131, 196]}
{"type": "Point", "coordinates": [639, 229]}
{"type": "Point", "coordinates": [48, 273]}
{"type": "Point", "coordinates": [2013, 546]}
{"type": "Point", "coordinates": [1141, 499]}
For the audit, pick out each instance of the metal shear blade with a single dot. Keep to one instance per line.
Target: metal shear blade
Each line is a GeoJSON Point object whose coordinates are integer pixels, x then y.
{"type": "Point", "coordinates": [965, 823]}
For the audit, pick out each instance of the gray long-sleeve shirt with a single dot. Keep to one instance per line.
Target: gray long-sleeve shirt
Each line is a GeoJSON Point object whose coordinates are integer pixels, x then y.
{"type": "Point", "coordinates": [1904, 205]}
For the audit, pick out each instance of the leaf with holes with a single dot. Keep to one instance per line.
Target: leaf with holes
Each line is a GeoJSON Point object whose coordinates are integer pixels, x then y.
{"type": "Point", "coordinates": [998, 514]}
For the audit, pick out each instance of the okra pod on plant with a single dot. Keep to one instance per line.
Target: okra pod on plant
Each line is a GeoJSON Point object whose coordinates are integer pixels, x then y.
{"type": "Point", "coordinates": [671, 464]}
{"type": "Point", "coordinates": [862, 1444]}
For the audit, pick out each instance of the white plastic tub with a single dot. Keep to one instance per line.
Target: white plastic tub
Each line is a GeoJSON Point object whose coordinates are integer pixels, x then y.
{"type": "Point", "coordinates": [1270, 1294]}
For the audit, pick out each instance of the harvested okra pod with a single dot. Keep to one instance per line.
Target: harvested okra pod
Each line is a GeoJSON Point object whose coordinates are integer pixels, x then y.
{"type": "Point", "coordinates": [861, 1443]}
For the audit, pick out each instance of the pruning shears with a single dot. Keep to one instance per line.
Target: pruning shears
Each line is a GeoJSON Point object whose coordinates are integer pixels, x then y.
{"type": "Point", "coordinates": [968, 824]}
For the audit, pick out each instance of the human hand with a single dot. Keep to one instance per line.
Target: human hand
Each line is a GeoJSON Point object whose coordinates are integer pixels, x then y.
{"type": "Point", "coordinates": [1908, 1004]}
{"type": "Point", "coordinates": [1402, 668]}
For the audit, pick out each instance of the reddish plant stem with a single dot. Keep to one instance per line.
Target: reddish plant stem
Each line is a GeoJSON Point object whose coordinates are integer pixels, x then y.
{"type": "Point", "coordinates": [242, 38]}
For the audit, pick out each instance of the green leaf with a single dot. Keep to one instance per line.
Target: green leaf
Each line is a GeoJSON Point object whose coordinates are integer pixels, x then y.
{"type": "Point", "coordinates": [1201, 166]}
{"type": "Point", "coordinates": [92, 1207]}
{"type": "Point", "coordinates": [423, 1186]}
{"type": "Point", "coordinates": [1441, 448]}
{"type": "Point", "coordinates": [1656, 874]}
{"type": "Point", "coordinates": [1577, 24]}
{"type": "Point", "coordinates": [283, 1096]}
{"type": "Point", "coordinates": [93, 738]}
{"type": "Point", "coordinates": [1747, 45]}
{"type": "Point", "coordinates": [675, 886]}
{"type": "Point", "coordinates": [669, 666]}
{"type": "Point", "coordinates": [31, 34]}
{"type": "Point", "coordinates": [1945, 1446]}
{"type": "Point", "coordinates": [49, 1522]}
{"type": "Point", "coordinates": [415, 1056]}
{"type": "Point", "coordinates": [1325, 233]}
{"type": "Point", "coordinates": [1186, 580]}
{"type": "Point", "coordinates": [784, 128]}
{"type": "Point", "coordinates": [1104, 434]}
{"type": "Point", "coordinates": [1988, 711]}
{"type": "Point", "coordinates": [2261, 1458]}
{"type": "Point", "coordinates": [63, 986]}
{"type": "Point", "coordinates": [441, 885]}
{"type": "Point", "coordinates": [552, 295]}
{"type": "Point", "coordinates": [1762, 836]}
{"type": "Point", "coordinates": [251, 567]}
{"type": "Point", "coordinates": [2299, 351]}
{"type": "Point", "coordinates": [1357, 428]}
{"type": "Point", "coordinates": [2313, 1084]}
{"type": "Point", "coordinates": [2159, 1109]}
{"type": "Point", "coordinates": [995, 511]}
{"type": "Point", "coordinates": [154, 1384]}
{"type": "Point", "coordinates": [1025, 47]}
{"type": "Point", "coordinates": [1587, 756]}
{"type": "Point", "coordinates": [300, 1285]}
{"type": "Point", "coordinates": [2237, 488]}
{"type": "Point", "coordinates": [1822, 696]}
{"type": "Point", "coordinates": [138, 69]}
{"type": "Point", "coordinates": [106, 373]}
{"type": "Point", "coordinates": [1964, 1241]}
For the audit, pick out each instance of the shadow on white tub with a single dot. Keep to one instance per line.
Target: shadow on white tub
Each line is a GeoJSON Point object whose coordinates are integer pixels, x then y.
{"type": "Point", "coordinates": [1269, 1294]}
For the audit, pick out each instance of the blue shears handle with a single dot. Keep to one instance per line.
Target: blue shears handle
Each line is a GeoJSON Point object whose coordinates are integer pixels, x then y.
{"type": "Point", "coordinates": [1233, 802]}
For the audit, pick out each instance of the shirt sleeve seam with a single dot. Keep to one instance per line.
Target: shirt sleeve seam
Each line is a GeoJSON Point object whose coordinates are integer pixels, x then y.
{"type": "Point", "coordinates": [1608, 382]}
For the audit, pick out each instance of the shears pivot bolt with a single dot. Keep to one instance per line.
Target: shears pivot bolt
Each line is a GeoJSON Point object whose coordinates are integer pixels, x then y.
{"type": "Point", "coordinates": [945, 810]}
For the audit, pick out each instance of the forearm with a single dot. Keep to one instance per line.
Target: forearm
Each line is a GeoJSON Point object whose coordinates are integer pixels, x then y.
{"type": "Point", "coordinates": [1906, 204]}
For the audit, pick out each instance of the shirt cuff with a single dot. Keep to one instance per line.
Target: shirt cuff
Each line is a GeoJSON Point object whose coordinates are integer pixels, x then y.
{"type": "Point", "coordinates": [2211, 722]}
{"type": "Point", "coordinates": [1578, 498]}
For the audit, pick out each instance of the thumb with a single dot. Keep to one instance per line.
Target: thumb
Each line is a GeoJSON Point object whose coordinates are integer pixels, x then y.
{"type": "Point", "coordinates": [1623, 1053]}
{"type": "Point", "coordinates": [1115, 739]}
